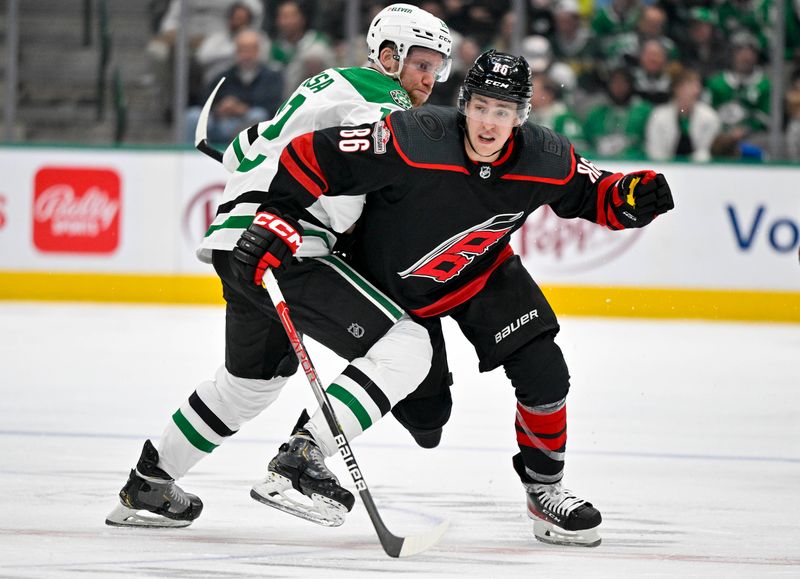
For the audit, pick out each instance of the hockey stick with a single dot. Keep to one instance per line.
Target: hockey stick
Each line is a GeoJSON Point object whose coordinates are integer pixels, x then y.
{"type": "Point", "coordinates": [393, 545]}
{"type": "Point", "coordinates": [200, 137]}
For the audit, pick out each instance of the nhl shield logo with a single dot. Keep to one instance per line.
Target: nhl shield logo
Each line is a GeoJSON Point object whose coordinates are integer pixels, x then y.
{"type": "Point", "coordinates": [356, 330]}
{"type": "Point", "coordinates": [485, 172]}
{"type": "Point", "coordinates": [401, 98]}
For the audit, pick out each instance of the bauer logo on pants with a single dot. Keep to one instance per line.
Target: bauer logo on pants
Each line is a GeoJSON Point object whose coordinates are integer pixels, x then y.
{"type": "Point", "coordinates": [76, 210]}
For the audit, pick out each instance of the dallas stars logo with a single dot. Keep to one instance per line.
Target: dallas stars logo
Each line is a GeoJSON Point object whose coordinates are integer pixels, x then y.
{"type": "Point", "coordinates": [401, 98]}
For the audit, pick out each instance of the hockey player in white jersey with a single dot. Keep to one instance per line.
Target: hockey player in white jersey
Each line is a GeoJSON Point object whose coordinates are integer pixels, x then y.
{"type": "Point", "coordinates": [389, 354]}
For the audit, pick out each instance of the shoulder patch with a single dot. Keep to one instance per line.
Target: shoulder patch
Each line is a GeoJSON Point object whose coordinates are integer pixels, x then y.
{"type": "Point", "coordinates": [401, 98]}
{"type": "Point", "coordinates": [545, 155]}
{"type": "Point", "coordinates": [380, 136]}
{"type": "Point", "coordinates": [430, 124]}
{"type": "Point", "coordinates": [551, 143]}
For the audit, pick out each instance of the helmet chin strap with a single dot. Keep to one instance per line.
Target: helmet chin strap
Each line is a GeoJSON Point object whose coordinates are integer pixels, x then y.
{"type": "Point", "coordinates": [393, 75]}
{"type": "Point", "coordinates": [471, 146]}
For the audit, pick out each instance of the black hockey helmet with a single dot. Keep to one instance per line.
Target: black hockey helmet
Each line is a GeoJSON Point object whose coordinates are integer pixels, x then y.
{"type": "Point", "coordinates": [501, 76]}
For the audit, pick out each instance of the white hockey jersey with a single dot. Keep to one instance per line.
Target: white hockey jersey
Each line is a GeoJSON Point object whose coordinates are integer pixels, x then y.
{"type": "Point", "coordinates": [334, 97]}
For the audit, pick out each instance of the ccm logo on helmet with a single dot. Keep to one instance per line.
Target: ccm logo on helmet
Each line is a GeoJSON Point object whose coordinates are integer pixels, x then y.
{"type": "Point", "coordinates": [280, 228]}
{"type": "Point", "coordinates": [497, 83]}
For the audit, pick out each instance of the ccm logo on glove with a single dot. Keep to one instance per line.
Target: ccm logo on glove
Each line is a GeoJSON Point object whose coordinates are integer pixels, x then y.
{"type": "Point", "coordinates": [270, 241]}
{"type": "Point", "coordinates": [282, 229]}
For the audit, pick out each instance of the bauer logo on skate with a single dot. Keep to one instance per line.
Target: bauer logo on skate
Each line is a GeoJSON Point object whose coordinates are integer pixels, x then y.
{"type": "Point", "coordinates": [76, 210]}
{"type": "Point", "coordinates": [555, 245]}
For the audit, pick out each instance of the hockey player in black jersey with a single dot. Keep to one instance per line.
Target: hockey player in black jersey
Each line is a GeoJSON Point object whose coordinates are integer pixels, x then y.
{"type": "Point", "coordinates": [445, 190]}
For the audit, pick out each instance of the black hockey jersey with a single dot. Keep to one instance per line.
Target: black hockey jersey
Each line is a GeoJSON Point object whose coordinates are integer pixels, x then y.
{"type": "Point", "coordinates": [435, 223]}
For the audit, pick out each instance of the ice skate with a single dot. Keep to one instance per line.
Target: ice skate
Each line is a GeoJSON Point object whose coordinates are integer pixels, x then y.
{"type": "Point", "coordinates": [561, 518]}
{"type": "Point", "coordinates": [299, 483]}
{"type": "Point", "coordinates": [151, 498]}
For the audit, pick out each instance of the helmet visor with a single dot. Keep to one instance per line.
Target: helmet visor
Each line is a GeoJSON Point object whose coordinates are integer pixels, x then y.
{"type": "Point", "coordinates": [493, 111]}
{"type": "Point", "coordinates": [426, 60]}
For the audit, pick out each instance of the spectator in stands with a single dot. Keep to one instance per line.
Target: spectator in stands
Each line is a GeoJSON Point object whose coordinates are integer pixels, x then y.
{"type": "Point", "coordinates": [793, 113]}
{"type": "Point", "coordinates": [217, 52]}
{"type": "Point", "coordinates": [203, 17]}
{"type": "Point", "coordinates": [651, 78]}
{"type": "Point", "coordinates": [539, 54]}
{"type": "Point", "coordinates": [748, 17]}
{"type": "Point", "coordinates": [741, 94]}
{"type": "Point", "coordinates": [548, 110]}
{"type": "Point", "coordinates": [572, 42]}
{"type": "Point", "coordinates": [704, 49]}
{"type": "Point", "coordinates": [295, 45]}
{"type": "Point", "coordinates": [251, 93]}
{"type": "Point", "coordinates": [650, 26]}
{"type": "Point", "coordinates": [615, 129]}
{"type": "Point", "coordinates": [479, 19]}
{"type": "Point", "coordinates": [540, 18]}
{"type": "Point", "coordinates": [616, 17]}
{"type": "Point", "coordinates": [685, 127]}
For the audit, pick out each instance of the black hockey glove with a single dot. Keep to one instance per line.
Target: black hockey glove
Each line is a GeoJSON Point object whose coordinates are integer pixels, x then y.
{"type": "Point", "coordinates": [270, 241]}
{"type": "Point", "coordinates": [637, 198]}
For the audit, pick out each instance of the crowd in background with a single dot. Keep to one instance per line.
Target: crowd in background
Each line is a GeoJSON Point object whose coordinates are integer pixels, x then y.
{"type": "Point", "coordinates": [659, 79]}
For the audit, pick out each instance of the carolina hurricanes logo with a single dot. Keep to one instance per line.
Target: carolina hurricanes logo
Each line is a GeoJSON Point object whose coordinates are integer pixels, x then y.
{"type": "Point", "coordinates": [452, 256]}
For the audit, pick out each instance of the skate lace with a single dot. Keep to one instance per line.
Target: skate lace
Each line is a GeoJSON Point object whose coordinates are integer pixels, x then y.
{"type": "Point", "coordinates": [558, 499]}
{"type": "Point", "coordinates": [176, 495]}
{"type": "Point", "coordinates": [316, 459]}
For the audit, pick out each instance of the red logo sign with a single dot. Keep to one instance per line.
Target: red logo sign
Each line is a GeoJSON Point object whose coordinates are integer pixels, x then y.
{"type": "Point", "coordinates": [570, 245]}
{"type": "Point", "coordinates": [2, 211]}
{"type": "Point", "coordinates": [76, 210]}
{"type": "Point", "coordinates": [200, 212]}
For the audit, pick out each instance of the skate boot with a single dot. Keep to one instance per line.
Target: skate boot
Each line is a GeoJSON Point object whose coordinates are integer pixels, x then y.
{"type": "Point", "coordinates": [300, 466]}
{"type": "Point", "coordinates": [151, 489]}
{"type": "Point", "coordinates": [559, 517]}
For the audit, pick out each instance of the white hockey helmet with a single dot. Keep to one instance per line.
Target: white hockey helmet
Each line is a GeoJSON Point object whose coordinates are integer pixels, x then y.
{"type": "Point", "coordinates": [408, 26]}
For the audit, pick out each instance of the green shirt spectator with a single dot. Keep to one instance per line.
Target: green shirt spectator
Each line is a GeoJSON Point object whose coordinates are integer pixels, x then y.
{"type": "Point", "coordinates": [616, 128]}
{"type": "Point", "coordinates": [741, 95]}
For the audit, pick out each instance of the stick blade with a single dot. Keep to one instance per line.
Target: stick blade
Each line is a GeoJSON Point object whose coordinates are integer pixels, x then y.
{"type": "Point", "coordinates": [202, 123]}
{"type": "Point", "coordinates": [419, 543]}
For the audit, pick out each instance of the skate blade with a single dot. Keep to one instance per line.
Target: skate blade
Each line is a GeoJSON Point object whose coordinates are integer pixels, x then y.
{"type": "Point", "coordinates": [552, 535]}
{"type": "Point", "coordinates": [323, 511]}
{"type": "Point", "coordinates": [123, 516]}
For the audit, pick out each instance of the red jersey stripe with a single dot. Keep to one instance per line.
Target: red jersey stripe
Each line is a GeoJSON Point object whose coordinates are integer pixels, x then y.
{"type": "Point", "coordinates": [298, 174]}
{"type": "Point", "coordinates": [304, 149]}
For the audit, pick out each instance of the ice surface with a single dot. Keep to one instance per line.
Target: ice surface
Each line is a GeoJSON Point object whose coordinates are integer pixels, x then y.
{"type": "Point", "coordinates": [684, 435]}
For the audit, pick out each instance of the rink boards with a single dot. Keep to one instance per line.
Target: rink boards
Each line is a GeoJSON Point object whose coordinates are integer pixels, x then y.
{"type": "Point", "coordinates": [121, 226]}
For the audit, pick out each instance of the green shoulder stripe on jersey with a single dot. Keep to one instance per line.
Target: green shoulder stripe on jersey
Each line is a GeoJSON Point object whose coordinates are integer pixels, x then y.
{"type": "Point", "coordinates": [391, 309]}
{"type": "Point", "coordinates": [376, 87]}
{"type": "Point", "coordinates": [232, 222]}
{"type": "Point", "coordinates": [320, 234]}
{"type": "Point", "coordinates": [352, 403]}
{"type": "Point", "coordinates": [245, 164]}
{"type": "Point", "coordinates": [197, 439]}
